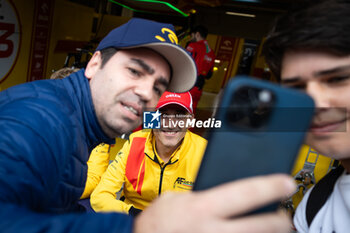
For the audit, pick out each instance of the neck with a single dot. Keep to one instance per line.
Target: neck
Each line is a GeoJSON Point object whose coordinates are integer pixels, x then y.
{"type": "Point", "coordinates": [346, 164]}
{"type": "Point", "coordinates": [165, 152]}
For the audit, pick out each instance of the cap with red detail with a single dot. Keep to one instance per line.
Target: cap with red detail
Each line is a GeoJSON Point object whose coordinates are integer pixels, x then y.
{"type": "Point", "coordinates": [182, 99]}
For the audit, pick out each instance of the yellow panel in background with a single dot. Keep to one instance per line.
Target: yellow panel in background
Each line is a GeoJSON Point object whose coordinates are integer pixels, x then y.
{"type": "Point", "coordinates": [322, 167]}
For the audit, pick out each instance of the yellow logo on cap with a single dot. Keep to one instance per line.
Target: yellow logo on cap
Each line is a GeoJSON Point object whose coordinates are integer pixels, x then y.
{"type": "Point", "coordinates": [171, 35]}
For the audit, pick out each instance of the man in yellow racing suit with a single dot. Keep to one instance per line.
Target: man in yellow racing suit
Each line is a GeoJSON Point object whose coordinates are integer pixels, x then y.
{"type": "Point", "coordinates": [153, 161]}
{"type": "Point", "coordinates": [97, 165]}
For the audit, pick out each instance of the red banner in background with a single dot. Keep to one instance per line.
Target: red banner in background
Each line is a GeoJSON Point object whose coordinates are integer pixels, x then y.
{"type": "Point", "coordinates": [226, 48]}
{"type": "Point", "coordinates": [40, 39]}
{"type": "Point", "coordinates": [226, 53]}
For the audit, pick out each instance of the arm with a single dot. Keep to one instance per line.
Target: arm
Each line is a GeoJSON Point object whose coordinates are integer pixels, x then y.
{"type": "Point", "coordinates": [220, 209]}
{"type": "Point", "coordinates": [192, 50]}
{"type": "Point", "coordinates": [97, 165]}
{"type": "Point", "coordinates": [103, 198]}
{"type": "Point", "coordinates": [17, 219]}
{"type": "Point", "coordinates": [30, 171]}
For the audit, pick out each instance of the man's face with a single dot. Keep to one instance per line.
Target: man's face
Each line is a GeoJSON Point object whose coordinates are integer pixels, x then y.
{"type": "Point", "coordinates": [129, 82]}
{"type": "Point", "coordinates": [326, 78]}
{"type": "Point", "coordinates": [193, 37]}
{"type": "Point", "coordinates": [169, 135]}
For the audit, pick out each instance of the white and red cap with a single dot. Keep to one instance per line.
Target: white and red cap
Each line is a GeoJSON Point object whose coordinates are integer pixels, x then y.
{"type": "Point", "coordinates": [182, 99]}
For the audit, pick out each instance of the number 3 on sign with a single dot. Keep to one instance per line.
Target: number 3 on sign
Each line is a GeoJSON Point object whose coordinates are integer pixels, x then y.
{"type": "Point", "coordinates": [6, 45]}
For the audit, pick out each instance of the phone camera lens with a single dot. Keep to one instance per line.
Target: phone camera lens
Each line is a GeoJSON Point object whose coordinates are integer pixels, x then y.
{"type": "Point", "coordinates": [265, 96]}
{"type": "Point", "coordinates": [250, 108]}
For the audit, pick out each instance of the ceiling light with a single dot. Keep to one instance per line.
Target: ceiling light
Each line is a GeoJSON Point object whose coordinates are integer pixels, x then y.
{"type": "Point", "coordinates": [151, 2]}
{"type": "Point", "coordinates": [258, 1]}
{"type": "Point", "coordinates": [240, 14]}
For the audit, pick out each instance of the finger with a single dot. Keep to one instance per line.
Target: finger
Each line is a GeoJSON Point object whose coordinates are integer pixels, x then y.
{"type": "Point", "coordinates": [264, 223]}
{"type": "Point", "coordinates": [242, 196]}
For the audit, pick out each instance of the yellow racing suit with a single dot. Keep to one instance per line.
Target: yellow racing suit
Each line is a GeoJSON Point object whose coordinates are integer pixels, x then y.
{"type": "Point", "coordinates": [97, 165]}
{"type": "Point", "coordinates": [145, 175]}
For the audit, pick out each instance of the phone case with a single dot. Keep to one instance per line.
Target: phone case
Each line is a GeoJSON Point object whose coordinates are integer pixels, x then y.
{"type": "Point", "coordinates": [261, 132]}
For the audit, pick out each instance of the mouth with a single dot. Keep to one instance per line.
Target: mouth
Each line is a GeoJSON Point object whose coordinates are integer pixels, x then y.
{"type": "Point", "coordinates": [328, 127]}
{"type": "Point", "coordinates": [169, 132]}
{"type": "Point", "coordinates": [132, 108]}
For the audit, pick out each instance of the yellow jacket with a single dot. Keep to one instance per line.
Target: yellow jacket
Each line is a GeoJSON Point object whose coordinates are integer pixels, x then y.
{"type": "Point", "coordinates": [97, 165]}
{"type": "Point", "coordinates": [144, 174]}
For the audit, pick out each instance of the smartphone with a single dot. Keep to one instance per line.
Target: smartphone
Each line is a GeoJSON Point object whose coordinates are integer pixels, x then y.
{"type": "Point", "coordinates": [263, 126]}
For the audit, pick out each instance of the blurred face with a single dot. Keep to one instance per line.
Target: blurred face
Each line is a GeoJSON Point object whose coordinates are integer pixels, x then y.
{"type": "Point", "coordinates": [171, 136]}
{"type": "Point", "coordinates": [326, 78]}
{"type": "Point", "coordinates": [130, 81]}
{"type": "Point", "coordinates": [193, 37]}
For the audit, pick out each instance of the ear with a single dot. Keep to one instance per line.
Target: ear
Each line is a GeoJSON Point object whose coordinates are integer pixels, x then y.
{"type": "Point", "coordinates": [94, 65]}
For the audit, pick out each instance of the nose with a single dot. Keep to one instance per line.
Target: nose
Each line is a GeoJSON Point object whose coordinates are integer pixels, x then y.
{"type": "Point", "coordinates": [144, 89]}
{"type": "Point", "coordinates": [319, 93]}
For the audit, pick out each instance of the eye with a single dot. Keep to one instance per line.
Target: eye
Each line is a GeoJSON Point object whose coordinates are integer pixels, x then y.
{"type": "Point", "coordinates": [337, 79]}
{"type": "Point", "coordinates": [134, 72]}
{"type": "Point", "coordinates": [158, 91]}
{"type": "Point", "coordinates": [299, 86]}
{"type": "Point", "coordinates": [159, 88]}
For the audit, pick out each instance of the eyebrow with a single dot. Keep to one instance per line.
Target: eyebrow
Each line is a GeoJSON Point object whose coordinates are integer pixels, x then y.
{"type": "Point", "coordinates": [162, 80]}
{"type": "Point", "coordinates": [290, 80]}
{"type": "Point", "coordinates": [144, 66]}
{"type": "Point", "coordinates": [317, 74]}
{"type": "Point", "coordinates": [332, 71]}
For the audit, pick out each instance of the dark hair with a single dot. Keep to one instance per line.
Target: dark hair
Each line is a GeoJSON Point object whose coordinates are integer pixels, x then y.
{"type": "Point", "coordinates": [203, 31]}
{"type": "Point", "coordinates": [324, 26]}
{"type": "Point", "coordinates": [106, 54]}
{"type": "Point", "coordinates": [63, 72]}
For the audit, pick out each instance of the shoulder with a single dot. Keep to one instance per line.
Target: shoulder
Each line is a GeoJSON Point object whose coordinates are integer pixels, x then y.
{"type": "Point", "coordinates": [34, 121]}
{"type": "Point", "coordinates": [35, 98]}
{"type": "Point", "coordinates": [195, 138]}
{"type": "Point", "coordinates": [144, 133]}
{"type": "Point", "coordinates": [138, 139]}
{"type": "Point", "coordinates": [192, 46]}
{"type": "Point", "coordinates": [38, 108]}
{"type": "Point", "coordinates": [37, 92]}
